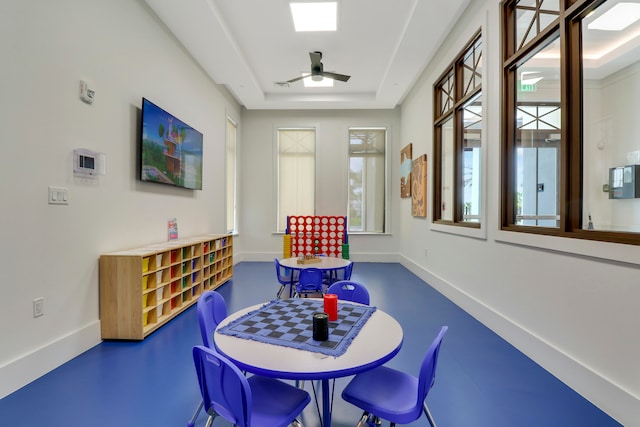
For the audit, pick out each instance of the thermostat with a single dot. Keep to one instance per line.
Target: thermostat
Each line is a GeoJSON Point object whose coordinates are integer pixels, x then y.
{"type": "Point", "coordinates": [88, 163]}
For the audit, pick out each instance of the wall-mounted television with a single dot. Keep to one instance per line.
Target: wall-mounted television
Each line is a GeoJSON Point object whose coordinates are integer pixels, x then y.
{"type": "Point", "coordinates": [170, 149]}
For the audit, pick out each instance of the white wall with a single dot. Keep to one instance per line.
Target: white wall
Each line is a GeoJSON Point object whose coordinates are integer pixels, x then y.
{"type": "Point", "coordinates": [258, 189]}
{"type": "Point", "coordinates": [570, 305]}
{"type": "Point", "coordinates": [52, 251]}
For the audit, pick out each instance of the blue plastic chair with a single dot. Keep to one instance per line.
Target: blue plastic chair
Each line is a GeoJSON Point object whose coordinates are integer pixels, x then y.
{"type": "Point", "coordinates": [350, 291]}
{"type": "Point", "coordinates": [286, 276]}
{"type": "Point", "coordinates": [347, 272]}
{"type": "Point", "coordinates": [341, 274]}
{"type": "Point", "coordinates": [245, 402]}
{"type": "Point", "coordinates": [212, 309]}
{"type": "Point", "coordinates": [392, 395]}
{"type": "Point", "coordinates": [309, 282]}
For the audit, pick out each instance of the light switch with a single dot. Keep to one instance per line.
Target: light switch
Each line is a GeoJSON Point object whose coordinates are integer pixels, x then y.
{"type": "Point", "coordinates": [58, 196]}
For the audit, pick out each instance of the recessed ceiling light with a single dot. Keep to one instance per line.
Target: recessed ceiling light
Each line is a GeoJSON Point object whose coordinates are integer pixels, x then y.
{"type": "Point", "coordinates": [323, 82]}
{"type": "Point", "coordinates": [617, 18]}
{"type": "Point", "coordinates": [315, 16]}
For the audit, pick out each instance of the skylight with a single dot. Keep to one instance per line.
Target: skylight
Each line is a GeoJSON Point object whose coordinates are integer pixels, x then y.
{"type": "Point", "coordinates": [617, 18]}
{"type": "Point", "coordinates": [315, 16]}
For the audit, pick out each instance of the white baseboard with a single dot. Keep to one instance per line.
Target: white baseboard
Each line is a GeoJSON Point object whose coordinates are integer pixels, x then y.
{"type": "Point", "coordinates": [617, 402]}
{"type": "Point", "coordinates": [21, 371]}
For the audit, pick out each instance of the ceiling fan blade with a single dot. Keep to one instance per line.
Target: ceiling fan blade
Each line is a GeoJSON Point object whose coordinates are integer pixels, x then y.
{"type": "Point", "coordinates": [316, 57]}
{"type": "Point", "coordinates": [336, 76]}
{"type": "Point", "coordinates": [297, 78]}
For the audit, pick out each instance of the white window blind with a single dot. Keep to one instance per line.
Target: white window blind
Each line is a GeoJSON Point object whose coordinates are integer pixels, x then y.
{"type": "Point", "coordinates": [296, 173]}
{"type": "Point", "coordinates": [231, 154]}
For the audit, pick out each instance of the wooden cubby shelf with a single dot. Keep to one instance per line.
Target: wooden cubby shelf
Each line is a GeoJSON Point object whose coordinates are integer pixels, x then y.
{"type": "Point", "coordinates": [141, 289]}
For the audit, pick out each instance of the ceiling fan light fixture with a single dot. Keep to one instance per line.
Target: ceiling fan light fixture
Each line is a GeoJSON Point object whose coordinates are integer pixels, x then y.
{"type": "Point", "coordinates": [317, 81]}
{"type": "Point", "coordinates": [319, 16]}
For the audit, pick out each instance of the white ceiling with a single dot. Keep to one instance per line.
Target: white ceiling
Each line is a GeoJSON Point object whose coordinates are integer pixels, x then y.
{"type": "Point", "coordinates": [248, 45]}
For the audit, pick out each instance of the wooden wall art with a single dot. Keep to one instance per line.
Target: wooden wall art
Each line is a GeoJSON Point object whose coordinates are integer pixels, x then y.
{"type": "Point", "coordinates": [419, 187]}
{"type": "Point", "coordinates": [405, 171]}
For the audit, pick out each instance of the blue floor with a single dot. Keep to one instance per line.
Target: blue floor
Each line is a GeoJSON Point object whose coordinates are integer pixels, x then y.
{"type": "Point", "coordinates": [482, 381]}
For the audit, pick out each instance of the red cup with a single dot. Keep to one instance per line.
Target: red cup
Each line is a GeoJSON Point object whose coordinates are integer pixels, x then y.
{"type": "Point", "coordinates": [331, 306]}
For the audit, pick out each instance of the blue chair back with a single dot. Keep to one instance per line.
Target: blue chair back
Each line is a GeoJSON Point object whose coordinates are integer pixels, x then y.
{"type": "Point", "coordinates": [350, 291]}
{"type": "Point", "coordinates": [282, 273]}
{"type": "Point", "coordinates": [225, 391]}
{"type": "Point", "coordinates": [427, 375]}
{"type": "Point", "coordinates": [310, 281]}
{"type": "Point", "coordinates": [212, 309]}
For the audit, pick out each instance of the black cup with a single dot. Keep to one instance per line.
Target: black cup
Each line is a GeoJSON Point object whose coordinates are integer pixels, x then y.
{"type": "Point", "coordinates": [320, 326]}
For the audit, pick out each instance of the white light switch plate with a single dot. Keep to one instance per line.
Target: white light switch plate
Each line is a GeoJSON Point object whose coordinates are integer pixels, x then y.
{"type": "Point", "coordinates": [58, 196]}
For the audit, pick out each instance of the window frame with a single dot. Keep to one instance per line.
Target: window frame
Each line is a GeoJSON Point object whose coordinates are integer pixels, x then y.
{"type": "Point", "coordinates": [566, 26]}
{"type": "Point", "coordinates": [453, 108]}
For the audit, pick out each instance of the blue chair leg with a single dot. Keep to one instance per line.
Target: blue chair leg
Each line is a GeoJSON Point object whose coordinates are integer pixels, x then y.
{"type": "Point", "coordinates": [362, 422]}
{"type": "Point", "coordinates": [192, 422]}
{"type": "Point", "coordinates": [428, 414]}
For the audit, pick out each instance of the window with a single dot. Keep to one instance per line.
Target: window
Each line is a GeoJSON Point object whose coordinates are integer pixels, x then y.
{"type": "Point", "coordinates": [457, 139]}
{"type": "Point", "coordinates": [568, 101]}
{"type": "Point", "coordinates": [231, 154]}
{"type": "Point", "coordinates": [296, 174]}
{"type": "Point", "coordinates": [367, 179]}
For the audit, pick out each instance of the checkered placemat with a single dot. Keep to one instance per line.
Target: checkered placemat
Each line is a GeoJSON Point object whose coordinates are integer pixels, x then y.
{"type": "Point", "coordinates": [289, 323]}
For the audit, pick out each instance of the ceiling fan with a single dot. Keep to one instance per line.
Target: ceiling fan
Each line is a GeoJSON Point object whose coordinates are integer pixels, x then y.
{"type": "Point", "coordinates": [317, 71]}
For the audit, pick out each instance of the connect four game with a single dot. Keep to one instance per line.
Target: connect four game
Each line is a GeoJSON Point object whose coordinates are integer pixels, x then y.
{"type": "Point", "coordinates": [290, 323]}
{"type": "Point", "coordinates": [317, 235]}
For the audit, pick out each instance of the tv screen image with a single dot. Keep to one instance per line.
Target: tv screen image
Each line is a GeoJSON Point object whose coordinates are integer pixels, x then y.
{"type": "Point", "coordinates": [171, 150]}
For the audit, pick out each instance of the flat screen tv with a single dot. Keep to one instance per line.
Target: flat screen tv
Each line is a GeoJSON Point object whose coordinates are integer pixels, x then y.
{"type": "Point", "coordinates": [170, 149]}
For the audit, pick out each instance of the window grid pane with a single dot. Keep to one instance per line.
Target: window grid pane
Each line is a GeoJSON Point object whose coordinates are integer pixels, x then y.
{"type": "Point", "coordinates": [471, 144]}
{"type": "Point", "coordinates": [446, 94]}
{"type": "Point", "coordinates": [367, 179]}
{"type": "Point", "coordinates": [609, 127]}
{"type": "Point", "coordinates": [532, 17]}
{"type": "Point", "coordinates": [538, 134]}
{"type": "Point", "coordinates": [448, 171]}
{"type": "Point", "coordinates": [472, 69]}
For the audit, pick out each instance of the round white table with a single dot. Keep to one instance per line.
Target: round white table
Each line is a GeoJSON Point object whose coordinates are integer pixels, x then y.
{"type": "Point", "coordinates": [378, 341]}
{"type": "Point", "coordinates": [325, 263]}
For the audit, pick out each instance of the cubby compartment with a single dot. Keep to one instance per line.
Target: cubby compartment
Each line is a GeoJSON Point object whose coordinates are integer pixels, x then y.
{"type": "Point", "coordinates": [142, 289]}
{"type": "Point", "coordinates": [186, 252]}
{"type": "Point", "coordinates": [149, 316]}
{"type": "Point", "coordinates": [145, 282]}
{"type": "Point", "coordinates": [145, 264]}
